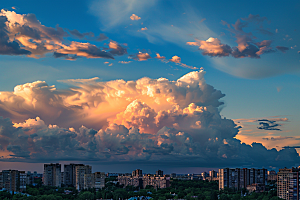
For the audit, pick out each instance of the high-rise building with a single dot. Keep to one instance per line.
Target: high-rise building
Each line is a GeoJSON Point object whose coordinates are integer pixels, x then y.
{"type": "Point", "coordinates": [52, 175]}
{"type": "Point", "coordinates": [1, 180]}
{"type": "Point", "coordinates": [288, 181]}
{"type": "Point", "coordinates": [80, 171]}
{"type": "Point", "coordinates": [204, 175]}
{"type": "Point", "coordinates": [99, 180]}
{"type": "Point", "coordinates": [137, 172]}
{"type": "Point", "coordinates": [241, 178]}
{"type": "Point", "coordinates": [89, 181]}
{"type": "Point", "coordinates": [70, 174]}
{"type": "Point", "coordinates": [13, 180]}
{"type": "Point", "coordinates": [23, 181]}
{"type": "Point", "coordinates": [159, 173]}
{"type": "Point", "coordinates": [213, 173]}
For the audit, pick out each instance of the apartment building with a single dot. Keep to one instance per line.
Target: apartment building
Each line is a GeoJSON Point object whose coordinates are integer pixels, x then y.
{"type": "Point", "coordinates": [241, 178]}
{"type": "Point", "coordinates": [80, 171]}
{"type": "Point", "coordinates": [288, 184]}
{"type": "Point", "coordinates": [13, 180]}
{"type": "Point", "coordinates": [52, 175]}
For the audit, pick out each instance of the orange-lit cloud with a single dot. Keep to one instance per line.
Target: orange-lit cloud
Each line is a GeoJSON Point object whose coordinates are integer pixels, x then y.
{"type": "Point", "coordinates": [24, 34]}
{"type": "Point", "coordinates": [141, 56]}
{"type": "Point", "coordinates": [175, 59]}
{"type": "Point", "coordinates": [134, 17]}
{"type": "Point", "coordinates": [246, 45]}
{"type": "Point", "coordinates": [212, 47]}
{"type": "Point", "coordinates": [159, 56]}
{"type": "Point", "coordinates": [126, 121]}
{"type": "Point", "coordinates": [116, 48]}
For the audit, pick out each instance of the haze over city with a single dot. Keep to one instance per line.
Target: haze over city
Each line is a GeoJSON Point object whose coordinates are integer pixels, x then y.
{"type": "Point", "coordinates": [182, 86]}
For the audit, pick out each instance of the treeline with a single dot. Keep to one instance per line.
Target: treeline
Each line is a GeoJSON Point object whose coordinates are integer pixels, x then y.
{"type": "Point", "coordinates": [189, 190]}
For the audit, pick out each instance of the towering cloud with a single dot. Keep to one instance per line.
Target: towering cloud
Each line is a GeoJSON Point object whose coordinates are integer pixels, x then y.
{"type": "Point", "coordinates": [126, 121]}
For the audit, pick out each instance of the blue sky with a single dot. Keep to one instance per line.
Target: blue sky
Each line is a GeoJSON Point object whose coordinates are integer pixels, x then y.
{"type": "Point", "coordinates": [248, 50]}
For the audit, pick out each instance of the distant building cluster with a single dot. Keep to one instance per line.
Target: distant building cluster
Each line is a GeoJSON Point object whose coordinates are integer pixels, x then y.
{"type": "Point", "coordinates": [211, 176]}
{"type": "Point", "coordinates": [16, 181]}
{"type": "Point", "coordinates": [239, 178]}
{"type": "Point", "coordinates": [79, 176]}
{"type": "Point", "coordinates": [137, 179]}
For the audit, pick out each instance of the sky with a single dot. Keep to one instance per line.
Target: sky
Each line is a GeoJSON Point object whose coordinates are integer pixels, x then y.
{"type": "Point", "coordinates": [182, 86]}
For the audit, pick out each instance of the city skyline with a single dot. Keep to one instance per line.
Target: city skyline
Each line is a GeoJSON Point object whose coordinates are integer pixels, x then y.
{"type": "Point", "coordinates": [187, 86]}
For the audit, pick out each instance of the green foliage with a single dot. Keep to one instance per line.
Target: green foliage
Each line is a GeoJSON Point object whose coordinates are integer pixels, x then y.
{"type": "Point", "coordinates": [190, 190]}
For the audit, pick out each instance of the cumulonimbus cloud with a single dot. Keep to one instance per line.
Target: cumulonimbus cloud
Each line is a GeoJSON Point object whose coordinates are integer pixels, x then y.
{"type": "Point", "coordinates": [23, 34]}
{"type": "Point", "coordinates": [147, 120]}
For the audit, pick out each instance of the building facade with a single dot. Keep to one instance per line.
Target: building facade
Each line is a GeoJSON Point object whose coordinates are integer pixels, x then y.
{"type": "Point", "coordinates": [288, 184]}
{"type": "Point", "coordinates": [52, 175]}
{"type": "Point", "coordinates": [99, 178]}
{"type": "Point", "coordinates": [241, 178]}
{"type": "Point", "coordinates": [80, 171]}
{"type": "Point", "coordinates": [13, 180]}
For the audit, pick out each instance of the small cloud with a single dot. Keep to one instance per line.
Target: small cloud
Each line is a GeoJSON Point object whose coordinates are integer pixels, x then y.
{"type": "Point", "coordinates": [202, 20]}
{"type": "Point", "coordinates": [79, 35]}
{"type": "Point", "coordinates": [117, 49]}
{"type": "Point", "coordinates": [14, 8]}
{"type": "Point", "coordinates": [212, 47]}
{"type": "Point", "coordinates": [278, 138]}
{"type": "Point", "coordinates": [144, 29]}
{"type": "Point", "coordinates": [141, 56]}
{"type": "Point", "coordinates": [276, 30]}
{"type": "Point", "coordinates": [266, 124]}
{"type": "Point", "coordinates": [134, 17]}
{"type": "Point", "coordinates": [110, 64]}
{"type": "Point", "coordinates": [124, 62]}
{"type": "Point", "coordinates": [279, 89]}
{"type": "Point", "coordinates": [101, 37]}
{"type": "Point", "coordinates": [290, 147]}
{"type": "Point", "coordinates": [282, 49]}
{"type": "Point", "coordinates": [159, 56]}
{"type": "Point", "coordinates": [175, 59]}
{"type": "Point", "coordinates": [106, 62]}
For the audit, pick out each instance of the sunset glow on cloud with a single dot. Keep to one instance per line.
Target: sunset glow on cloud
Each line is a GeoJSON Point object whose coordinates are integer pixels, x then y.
{"type": "Point", "coordinates": [147, 119]}
{"type": "Point", "coordinates": [144, 82]}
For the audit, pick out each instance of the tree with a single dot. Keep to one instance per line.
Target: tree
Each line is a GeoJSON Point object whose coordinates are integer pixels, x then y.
{"type": "Point", "coordinates": [86, 196]}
